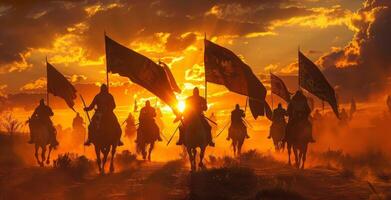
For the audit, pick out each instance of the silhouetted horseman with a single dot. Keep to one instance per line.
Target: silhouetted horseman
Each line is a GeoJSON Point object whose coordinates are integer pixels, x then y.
{"type": "Point", "coordinates": [237, 121]}
{"type": "Point", "coordinates": [130, 128]}
{"type": "Point", "coordinates": [278, 117]}
{"type": "Point", "coordinates": [299, 111]}
{"type": "Point", "coordinates": [195, 107]}
{"type": "Point", "coordinates": [42, 114]}
{"type": "Point", "coordinates": [343, 118]}
{"type": "Point", "coordinates": [147, 122]}
{"type": "Point", "coordinates": [78, 124]}
{"type": "Point", "coordinates": [104, 105]}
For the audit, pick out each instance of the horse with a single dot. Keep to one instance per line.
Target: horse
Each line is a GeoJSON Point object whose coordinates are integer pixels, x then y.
{"type": "Point", "coordinates": [298, 133]}
{"type": "Point", "coordinates": [195, 137]}
{"type": "Point", "coordinates": [147, 136]}
{"type": "Point", "coordinates": [237, 133]}
{"type": "Point", "coordinates": [106, 136]}
{"type": "Point", "coordinates": [277, 133]}
{"type": "Point", "coordinates": [41, 140]}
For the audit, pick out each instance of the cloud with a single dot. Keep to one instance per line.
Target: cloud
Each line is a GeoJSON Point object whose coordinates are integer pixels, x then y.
{"type": "Point", "coordinates": [180, 43]}
{"type": "Point", "coordinates": [76, 78]}
{"type": "Point", "coordinates": [2, 90]}
{"type": "Point", "coordinates": [35, 86]}
{"type": "Point", "coordinates": [364, 65]}
{"type": "Point", "coordinates": [196, 73]}
{"type": "Point", "coordinates": [34, 24]}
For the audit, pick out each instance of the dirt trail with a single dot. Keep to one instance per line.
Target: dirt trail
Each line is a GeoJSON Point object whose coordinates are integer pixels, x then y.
{"type": "Point", "coordinates": [170, 181]}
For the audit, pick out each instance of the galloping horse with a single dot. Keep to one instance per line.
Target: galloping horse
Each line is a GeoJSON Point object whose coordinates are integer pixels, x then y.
{"type": "Point", "coordinates": [195, 136]}
{"type": "Point", "coordinates": [41, 140]}
{"type": "Point", "coordinates": [298, 134]}
{"type": "Point", "coordinates": [238, 134]}
{"type": "Point", "coordinates": [277, 132]}
{"type": "Point", "coordinates": [147, 137]}
{"type": "Point", "coordinates": [105, 139]}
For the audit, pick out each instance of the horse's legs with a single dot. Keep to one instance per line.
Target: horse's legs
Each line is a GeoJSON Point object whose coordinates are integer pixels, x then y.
{"type": "Point", "coordinates": [297, 160]}
{"type": "Point", "coordinates": [48, 158]}
{"type": "Point", "coordinates": [105, 154]}
{"type": "Point", "coordinates": [144, 151]}
{"type": "Point", "coordinates": [234, 146]}
{"type": "Point", "coordinates": [36, 155]}
{"type": "Point", "coordinates": [289, 153]}
{"type": "Point", "coordinates": [151, 146]}
{"type": "Point", "coordinates": [202, 153]}
{"type": "Point", "coordinates": [304, 156]}
{"type": "Point", "coordinates": [240, 144]}
{"type": "Point", "coordinates": [195, 158]}
{"type": "Point", "coordinates": [113, 149]}
{"type": "Point", "coordinates": [98, 161]}
{"type": "Point", "coordinates": [43, 154]}
{"type": "Point", "coordinates": [191, 158]}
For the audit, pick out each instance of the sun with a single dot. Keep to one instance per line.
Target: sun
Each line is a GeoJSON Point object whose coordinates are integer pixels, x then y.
{"type": "Point", "coordinates": [181, 105]}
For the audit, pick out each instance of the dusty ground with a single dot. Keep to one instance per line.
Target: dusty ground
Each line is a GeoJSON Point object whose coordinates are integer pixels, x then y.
{"type": "Point", "coordinates": [172, 180]}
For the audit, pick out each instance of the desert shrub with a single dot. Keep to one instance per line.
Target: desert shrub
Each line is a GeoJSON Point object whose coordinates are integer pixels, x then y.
{"type": "Point", "coordinates": [225, 161]}
{"type": "Point", "coordinates": [63, 161]}
{"type": "Point", "coordinates": [126, 159]}
{"type": "Point", "coordinates": [167, 174]}
{"type": "Point", "coordinates": [223, 183]}
{"type": "Point", "coordinates": [278, 193]}
{"type": "Point", "coordinates": [255, 156]}
{"type": "Point", "coordinates": [72, 164]}
{"type": "Point", "coordinates": [347, 173]}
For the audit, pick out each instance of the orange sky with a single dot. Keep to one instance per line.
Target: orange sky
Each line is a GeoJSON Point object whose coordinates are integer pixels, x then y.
{"type": "Point", "coordinates": [339, 35]}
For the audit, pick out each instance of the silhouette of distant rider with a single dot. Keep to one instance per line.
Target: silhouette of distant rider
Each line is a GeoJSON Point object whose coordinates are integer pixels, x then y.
{"type": "Point", "coordinates": [278, 116]}
{"type": "Point", "coordinates": [343, 117]}
{"type": "Point", "coordinates": [104, 114]}
{"type": "Point", "coordinates": [299, 110]}
{"type": "Point", "coordinates": [147, 122]}
{"type": "Point", "coordinates": [317, 116]}
{"type": "Point", "coordinates": [78, 122]}
{"type": "Point", "coordinates": [195, 106]}
{"type": "Point", "coordinates": [237, 120]}
{"type": "Point", "coordinates": [43, 114]}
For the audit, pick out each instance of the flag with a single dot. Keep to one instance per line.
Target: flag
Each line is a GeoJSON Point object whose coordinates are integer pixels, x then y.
{"type": "Point", "coordinates": [140, 70]}
{"type": "Point", "coordinates": [59, 86]}
{"type": "Point", "coordinates": [174, 85]}
{"type": "Point", "coordinates": [223, 67]}
{"type": "Point", "coordinates": [278, 87]}
{"type": "Point", "coordinates": [312, 79]}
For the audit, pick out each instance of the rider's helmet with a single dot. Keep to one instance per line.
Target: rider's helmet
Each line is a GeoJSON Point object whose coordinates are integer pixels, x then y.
{"type": "Point", "coordinates": [103, 88]}
{"type": "Point", "coordinates": [196, 91]}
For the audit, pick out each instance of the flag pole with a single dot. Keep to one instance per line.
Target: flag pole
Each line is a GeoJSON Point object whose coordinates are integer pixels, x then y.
{"type": "Point", "coordinates": [107, 71]}
{"type": "Point", "coordinates": [298, 64]}
{"type": "Point", "coordinates": [206, 83]}
{"type": "Point", "coordinates": [271, 91]}
{"type": "Point", "coordinates": [47, 83]}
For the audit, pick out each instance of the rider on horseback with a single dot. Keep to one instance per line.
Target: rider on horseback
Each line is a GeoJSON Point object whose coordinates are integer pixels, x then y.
{"type": "Point", "coordinates": [237, 120]}
{"type": "Point", "coordinates": [195, 106]}
{"type": "Point", "coordinates": [299, 110]}
{"type": "Point", "coordinates": [278, 116]}
{"type": "Point", "coordinates": [147, 122]}
{"type": "Point", "coordinates": [43, 114]}
{"type": "Point", "coordinates": [78, 123]}
{"type": "Point", "coordinates": [105, 105]}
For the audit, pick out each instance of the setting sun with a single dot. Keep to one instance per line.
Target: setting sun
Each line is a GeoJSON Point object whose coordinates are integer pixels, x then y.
{"type": "Point", "coordinates": [181, 105]}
